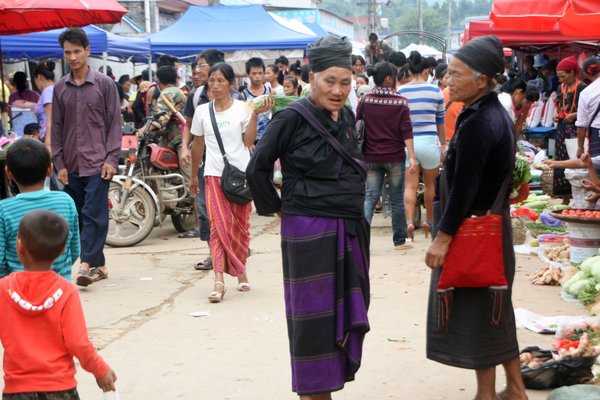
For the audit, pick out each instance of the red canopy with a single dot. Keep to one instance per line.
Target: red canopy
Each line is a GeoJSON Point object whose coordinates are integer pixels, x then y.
{"type": "Point", "coordinates": [520, 38]}
{"type": "Point", "coordinates": [574, 17]}
{"type": "Point", "coordinates": [24, 16]}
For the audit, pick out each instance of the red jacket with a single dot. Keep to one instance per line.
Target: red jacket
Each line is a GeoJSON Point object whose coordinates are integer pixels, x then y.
{"type": "Point", "coordinates": [41, 329]}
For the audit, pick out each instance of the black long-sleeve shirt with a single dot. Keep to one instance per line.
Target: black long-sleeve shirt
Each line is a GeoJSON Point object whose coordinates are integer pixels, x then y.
{"type": "Point", "coordinates": [316, 180]}
{"type": "Point", "coordinates": [479, 158]}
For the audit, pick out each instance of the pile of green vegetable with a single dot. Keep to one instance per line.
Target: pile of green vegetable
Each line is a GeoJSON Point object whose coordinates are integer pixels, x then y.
{"type": "Point", "coordinates": [522, 172]}
{"type": "Point", "coordinates": [585, 284]}
{"type": "Point", "coordinates": [279, 102]}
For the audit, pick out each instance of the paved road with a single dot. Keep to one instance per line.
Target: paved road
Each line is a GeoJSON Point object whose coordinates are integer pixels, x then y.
{"type": "Point", "coordinates": [140, 320]}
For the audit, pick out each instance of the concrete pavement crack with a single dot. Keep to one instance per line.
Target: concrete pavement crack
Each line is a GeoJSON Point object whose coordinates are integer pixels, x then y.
{"type": "Point", "coordinates": [104, 336]}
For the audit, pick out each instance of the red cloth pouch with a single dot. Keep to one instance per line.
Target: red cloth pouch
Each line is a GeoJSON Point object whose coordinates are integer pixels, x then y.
{"type": "Point", "coordinates": [475, 258]}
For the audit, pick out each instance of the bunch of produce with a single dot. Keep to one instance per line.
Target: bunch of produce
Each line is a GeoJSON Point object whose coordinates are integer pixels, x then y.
{"type": "Point", "coordinates": [574, 331]}
{"type": "Point", "coordinates": [521, 174]}
{"type": "Point", "coordinates": [585, 284]}
{"type": "Point", "coordinates": [546, 276]}
{"type": "Point", "coordinates": [582, 213]}
{"type": "Point", "coordinates": [279, 102]}
{"type": "Point", "coordinates": [576, 348]}
{"type": "Point", "coordinates": [559, 254]}
{"type": "Point", "coordinates": [565, 348]}
{"type": "Point", "coordinates": [535, 202]}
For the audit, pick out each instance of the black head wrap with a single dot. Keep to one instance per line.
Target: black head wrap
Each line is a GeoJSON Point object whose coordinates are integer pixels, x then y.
{"type": "Point", "coordinates": [484, 54]}
{"type": "Point", "coordinates": [330, 51]}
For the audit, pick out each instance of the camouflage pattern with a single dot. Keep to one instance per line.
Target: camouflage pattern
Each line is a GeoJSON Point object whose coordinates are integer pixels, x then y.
{"type": "Point", "coordinates": [170, 125]}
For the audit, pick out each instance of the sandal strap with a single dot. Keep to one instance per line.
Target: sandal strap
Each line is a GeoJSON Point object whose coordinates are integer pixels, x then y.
{"type": "Point", "coordinates": [220, 283]}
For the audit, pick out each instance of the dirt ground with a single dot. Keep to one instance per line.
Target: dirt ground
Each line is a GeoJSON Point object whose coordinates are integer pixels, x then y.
{"type": "Point", "coordinates": [140, 320]}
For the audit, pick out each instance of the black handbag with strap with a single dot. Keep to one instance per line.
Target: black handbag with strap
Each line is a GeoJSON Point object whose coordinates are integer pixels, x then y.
{"type": "Point", "coordinates": [233, 181]}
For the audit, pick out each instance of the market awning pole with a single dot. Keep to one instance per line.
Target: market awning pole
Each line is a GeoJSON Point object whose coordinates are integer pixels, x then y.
{"type": "Point", "coordinates": [105, 62]}
{"type": "Point", "coordinates": [150, 68]}
{"type": "Point", "coordinates": [3, 126]}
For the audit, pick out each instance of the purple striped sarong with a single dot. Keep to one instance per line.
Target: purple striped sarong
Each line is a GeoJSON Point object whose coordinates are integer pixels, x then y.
{"type": "Point", "coordinates": [326, 287]}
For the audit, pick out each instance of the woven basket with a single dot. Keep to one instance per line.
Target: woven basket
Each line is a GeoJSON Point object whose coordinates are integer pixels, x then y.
{"type": "Point", "coordinates": [519, 230]}
{"type": "Point", "coordinates": [547, 181]}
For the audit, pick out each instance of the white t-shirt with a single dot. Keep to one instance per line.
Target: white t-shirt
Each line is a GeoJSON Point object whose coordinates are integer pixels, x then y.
{"type": "Point", "coordinates": [506, 101]}
{"type": "Point", "coordinates": [586, 107]}
{"type": "Point", "coordinates": [232, 124]}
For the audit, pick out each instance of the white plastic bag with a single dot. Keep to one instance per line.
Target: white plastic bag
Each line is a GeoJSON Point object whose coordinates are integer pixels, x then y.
{"type": "Point", "coordinates": [111, 395]}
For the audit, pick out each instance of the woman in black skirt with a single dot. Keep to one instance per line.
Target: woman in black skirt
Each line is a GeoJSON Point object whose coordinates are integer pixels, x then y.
{"type": "Point", "coordinates": [478, 334]}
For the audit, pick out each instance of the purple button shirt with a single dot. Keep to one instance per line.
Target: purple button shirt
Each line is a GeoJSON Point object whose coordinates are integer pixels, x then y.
{"type": "Point", "coordinates": [86, 124]}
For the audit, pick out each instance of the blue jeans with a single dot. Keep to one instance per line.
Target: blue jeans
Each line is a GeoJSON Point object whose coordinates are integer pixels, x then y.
{"type": "Point", "coordinates": [375, 179]}
{"type": "Point", "coordinates": [90, 194]}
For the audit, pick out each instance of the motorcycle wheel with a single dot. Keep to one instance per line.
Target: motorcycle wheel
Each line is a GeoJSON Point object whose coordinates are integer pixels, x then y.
{"type": "Point", "coordinates": [135, 220]}
{"type": "Point", "coordinates": [183, 222]}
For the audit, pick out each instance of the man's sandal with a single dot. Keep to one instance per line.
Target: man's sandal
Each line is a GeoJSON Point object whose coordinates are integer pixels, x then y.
{"type": "Point", "coordinates": [215, 296]}
{"type": "Point", "coordinates": [83, 278]}
{"type": "Point", "coordinates": [243, 287]}
{"type": "Point", "coordinates": [96, 274]}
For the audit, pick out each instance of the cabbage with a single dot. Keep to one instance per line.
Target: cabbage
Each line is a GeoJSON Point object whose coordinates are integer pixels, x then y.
{"type": "Point", "coordinates": [595, 271]}
{"type": "Point", "coordinates": [580, 275]}
{"type": "Point", "coordinates": [581, 286]}
{"type": "Point", "coordinates": [586, 266]}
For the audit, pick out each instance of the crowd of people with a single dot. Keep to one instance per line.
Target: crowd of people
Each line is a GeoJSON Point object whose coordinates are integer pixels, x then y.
{"type": "Point", "coordinates": [357, 125]}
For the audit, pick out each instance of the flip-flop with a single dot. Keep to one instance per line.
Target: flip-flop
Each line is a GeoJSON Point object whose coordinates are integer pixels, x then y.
{"type": "Point", "coordinates": [96, 274]}
{"type": "Point", "coordinates": [205, 265]}
{"type": "Point", "coordinates": [194, 233]}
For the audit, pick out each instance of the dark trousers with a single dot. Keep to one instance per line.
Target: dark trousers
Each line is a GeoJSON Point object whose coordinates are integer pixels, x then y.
{"type": "Point", "coordinates": [90, 194]}
{"type": "Point", "coordinates": [201, 207]}
{"type": "Point", "coordinates": [62, 395]}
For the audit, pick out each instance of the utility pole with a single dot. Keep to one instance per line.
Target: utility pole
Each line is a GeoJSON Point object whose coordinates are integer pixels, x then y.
{"type": "Point", "coordinates": [372, 10]}
{"type": "Point", "coordinates": [449, 34]}
{"type": "Point", "coordinates": [421, 15]}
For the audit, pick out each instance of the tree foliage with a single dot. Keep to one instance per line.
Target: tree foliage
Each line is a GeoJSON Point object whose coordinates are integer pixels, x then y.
{"type": "Point", "coordinates": [403, 14]}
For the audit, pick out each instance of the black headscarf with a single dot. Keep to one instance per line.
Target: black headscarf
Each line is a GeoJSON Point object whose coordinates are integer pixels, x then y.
{"type": "Point", "coordinates": [484, 54]}
{"type": "Point", "coordinates": [330, 51]}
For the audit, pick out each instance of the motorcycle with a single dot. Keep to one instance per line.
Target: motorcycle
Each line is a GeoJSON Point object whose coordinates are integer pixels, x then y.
{"type": "Point", "coordinates": [150, 187]}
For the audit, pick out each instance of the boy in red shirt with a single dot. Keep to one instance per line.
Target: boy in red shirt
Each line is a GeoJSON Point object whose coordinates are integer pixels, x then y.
{"type": "Point", "coordinates": [42, 325]}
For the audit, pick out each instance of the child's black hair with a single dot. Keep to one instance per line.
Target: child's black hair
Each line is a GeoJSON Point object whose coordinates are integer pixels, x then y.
{"type": "Point", "coordinates": [166, 75]}
{"type": "Point", "coordinates": [44, 234]}
{"type": "Point", "coordinates": [32, 129]}
{"type": "Point", "coordinates": [295, 83]}
{"type": "Point", "coordinates": [28, 161]}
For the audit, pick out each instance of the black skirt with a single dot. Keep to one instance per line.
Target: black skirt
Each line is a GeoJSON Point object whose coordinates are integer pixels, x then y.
{"type": "Point", "coordinates": [471, 340]}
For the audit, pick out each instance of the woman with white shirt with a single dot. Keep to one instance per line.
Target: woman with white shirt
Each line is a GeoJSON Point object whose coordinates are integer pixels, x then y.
{"type": "Point", "coordinates": [229, 222]}
{"type": "Point", "coordinates": [271, 75]}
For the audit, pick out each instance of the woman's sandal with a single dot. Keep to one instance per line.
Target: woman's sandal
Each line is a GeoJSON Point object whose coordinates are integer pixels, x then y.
{"type": "Point", "coordinates": [426, 225]}
{"type": "Point", "coordinates": [410, 232]}
{"type": "Point", "coordinates": [216, 296]}
{"type": "Point", "coordinates": [243, 287]}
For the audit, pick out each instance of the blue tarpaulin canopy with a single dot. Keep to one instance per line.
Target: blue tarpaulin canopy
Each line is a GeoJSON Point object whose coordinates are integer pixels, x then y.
{"type": "Point", "coordinates": [227, 28]}
{"type": "Point", "coordinates": [45, 44]}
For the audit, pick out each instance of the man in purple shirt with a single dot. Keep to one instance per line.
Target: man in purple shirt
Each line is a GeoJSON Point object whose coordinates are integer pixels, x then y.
{"type": "Point", "coordinates": [86, 142]}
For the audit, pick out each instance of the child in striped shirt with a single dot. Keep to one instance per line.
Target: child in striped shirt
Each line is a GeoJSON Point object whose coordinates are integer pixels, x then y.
{"type": "Point", "coordinates": [28, 164]}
